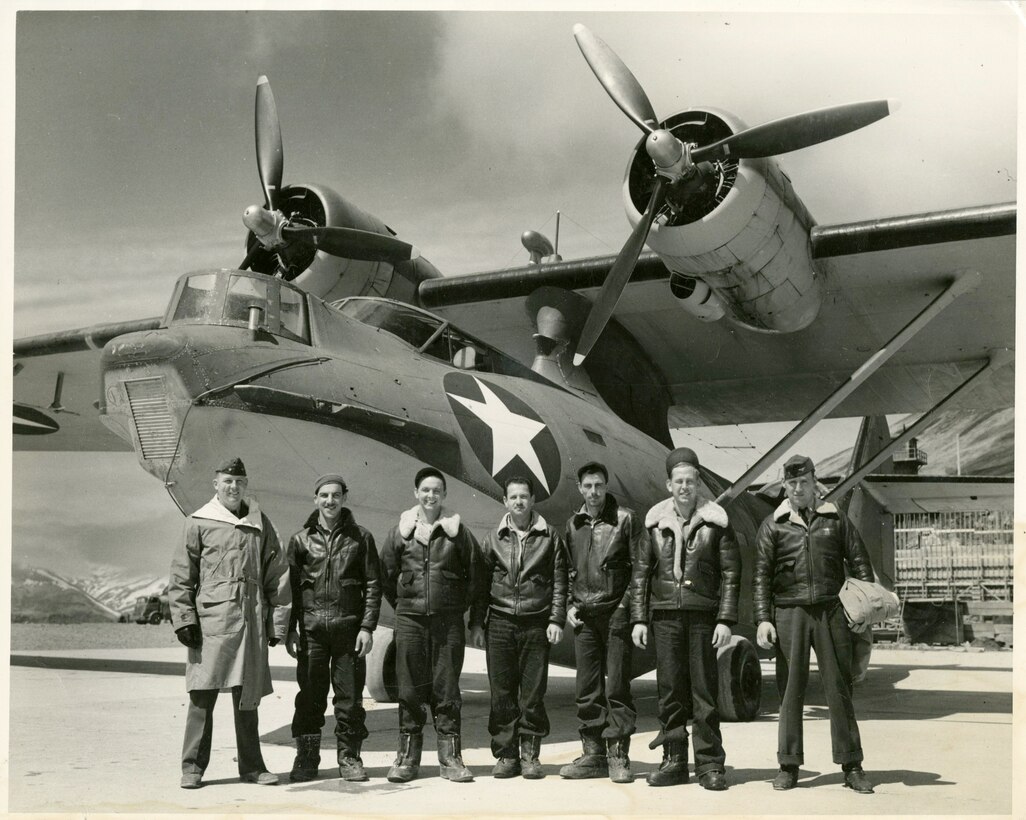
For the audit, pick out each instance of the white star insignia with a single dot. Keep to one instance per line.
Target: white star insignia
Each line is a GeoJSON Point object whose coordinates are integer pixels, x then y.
{"type": "Point", "coordinates": [511, 433]}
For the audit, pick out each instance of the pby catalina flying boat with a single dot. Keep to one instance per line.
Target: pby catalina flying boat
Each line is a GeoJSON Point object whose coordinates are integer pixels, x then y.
{"type": "Point", "coordinates": [335, 345]}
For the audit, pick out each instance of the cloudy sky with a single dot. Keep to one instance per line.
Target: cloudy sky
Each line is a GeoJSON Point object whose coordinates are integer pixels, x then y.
{"type": "Point", "coordinates": [134, 155]}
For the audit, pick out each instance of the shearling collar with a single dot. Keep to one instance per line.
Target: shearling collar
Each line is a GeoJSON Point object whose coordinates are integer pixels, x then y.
{"type": "Point", "coordinates": [665, 515]}
{"type": "Point", "coordinates": [214, 510]}
{"type": "Point", "coordinates": [449, 522]}
{"type": "Point", "coordinates": [538, 524]}
{"type": "Point", "coordinates": [786, 511]}
{"type": "Point", "coordinates": [313, 522]}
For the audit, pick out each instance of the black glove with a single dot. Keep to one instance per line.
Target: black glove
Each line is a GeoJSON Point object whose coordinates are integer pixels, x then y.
{"type": "Point", "coordinates": [273, 641]}
{"type": "Point", "coordinates": [190, 636]}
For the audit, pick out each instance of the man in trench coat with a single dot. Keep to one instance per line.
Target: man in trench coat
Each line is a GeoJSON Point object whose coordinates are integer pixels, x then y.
{"type": "Point", "coordinates": [230, 598]}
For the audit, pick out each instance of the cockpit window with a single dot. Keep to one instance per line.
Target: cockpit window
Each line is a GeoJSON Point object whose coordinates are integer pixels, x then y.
{"type": "Point", "coordinates": [244, 292]}
{"type": "Point", "coordinates": [225, 298]}
{"type": "Point", "coordinates": [433, 336]}
{"type": "Point", "coordinates": [198, 296]}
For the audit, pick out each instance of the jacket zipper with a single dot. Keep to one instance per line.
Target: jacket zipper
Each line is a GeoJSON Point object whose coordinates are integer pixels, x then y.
{"type": "Point", "coordinates": [517, 545]}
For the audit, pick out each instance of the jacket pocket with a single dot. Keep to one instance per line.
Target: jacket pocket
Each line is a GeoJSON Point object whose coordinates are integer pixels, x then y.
{"type": "Point", "coordinates": [783, 576]}
{"type": "Point", "coordinates": [706, 581]}
{"type": "Point", "coordinates": [618, 575]}
{"type": "Point", "coordinates": [218, 608]}
{"type": "Point", "coordinates": [351, 596]}
{"type": "Point", "coordinates": [453, 589]}
{"type": "Point", "coordinates": [405, 581]}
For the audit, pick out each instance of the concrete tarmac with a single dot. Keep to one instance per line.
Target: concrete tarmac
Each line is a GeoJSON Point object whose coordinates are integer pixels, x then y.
{"type": "Point", "coordinates": [101, 731]}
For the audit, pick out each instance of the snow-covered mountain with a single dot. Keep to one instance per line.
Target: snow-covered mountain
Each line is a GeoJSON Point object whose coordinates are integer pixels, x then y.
{"type": "Point", "coordinates": [117, 588]}
{"type": "Point", "coordinates": [43, 596]}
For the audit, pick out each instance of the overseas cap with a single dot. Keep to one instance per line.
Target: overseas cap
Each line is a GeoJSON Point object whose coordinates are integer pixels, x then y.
{"type": "Point", "coordinates": [798, 465]}
{"type": "Point", "coordinates": [330, 478]}
{"type": "Point", "coordinates": [232, 466]}
{"type": "Point", "coordinates": [682, 455]}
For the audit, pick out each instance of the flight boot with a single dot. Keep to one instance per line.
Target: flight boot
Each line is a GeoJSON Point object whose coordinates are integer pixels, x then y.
{"type": "Point", "coordinates": [350, 764]}
{"type": "Point", "coordinates": [590, 764]}
{"type": "Point", "coordinates": [308, 758]}
{"type": "Point", "coordinates": [450, 760]}
{"type": "Point", "coordinates": [407, 758]}
{"type": "Point", "coordinates": [673, 771]}
{"type": "Point", "coordinates": [619, 762]}
{"type": "Point", "coordinates": [530, 766]}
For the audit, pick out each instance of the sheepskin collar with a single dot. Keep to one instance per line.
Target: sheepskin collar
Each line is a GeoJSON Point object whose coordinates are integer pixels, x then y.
{"type": "Point", "coordinates": [664, 515]}
{"type": "Point", "coordinates": [408, 521]}
{"type": "Point", "coordinates": [538, 524]}
{"type": "Point", "coordinates": [214, 510]}
{"type": "Point", "coordinates": [786, 511]}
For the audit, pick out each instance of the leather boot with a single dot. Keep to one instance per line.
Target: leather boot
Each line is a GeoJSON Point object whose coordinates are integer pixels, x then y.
{"type": "Point", "coordinates": [530, 766]}
{"type": "Point", "coordinates": [450, 760]}
{"type": "Point", "coordinates": [674, 769]}
{"type": "Point", "coordinates": [350, 764]}
{"type": "Point", "coordinates": [590, 764]}
{"type": "Point", "coordinates": [619, 762]}
{"type": "Point", "coordinates": [308, 758]}
{"type": "Point", "coordinates": [407, 758]}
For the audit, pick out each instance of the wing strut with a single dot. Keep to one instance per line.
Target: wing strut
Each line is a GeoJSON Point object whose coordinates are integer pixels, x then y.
{"type": "Point", "coordinates": [997, 359]}
{"type": "Point", "coordinates": [964, 282]}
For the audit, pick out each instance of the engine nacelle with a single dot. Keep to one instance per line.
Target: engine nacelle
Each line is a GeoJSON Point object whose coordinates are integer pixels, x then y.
{"type": "Point", "coordinates": [739, 230]}
{"type": "Point", "coordinates": [332, 277]}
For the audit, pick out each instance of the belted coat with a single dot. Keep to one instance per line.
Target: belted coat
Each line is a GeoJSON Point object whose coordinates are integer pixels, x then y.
{"type": "Point", "coordinates": [230, 576]}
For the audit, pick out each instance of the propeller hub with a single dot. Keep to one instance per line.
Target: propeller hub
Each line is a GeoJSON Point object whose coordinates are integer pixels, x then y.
{"type": "Point", "coordinates": [264, 225]}
{"type": "Point", "coordinates": [669, 154]}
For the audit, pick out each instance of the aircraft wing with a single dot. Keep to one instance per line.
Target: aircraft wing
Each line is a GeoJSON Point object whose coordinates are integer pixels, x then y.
{"type": "Point", "coordinates": [57, 389]}
{"type": "Point", "coordinates": [879, 275]}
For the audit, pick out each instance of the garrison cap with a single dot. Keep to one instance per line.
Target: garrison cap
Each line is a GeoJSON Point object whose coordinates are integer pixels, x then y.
{"type": "Point", "coordinates": [232, 466]}
{"type": "Point", "coordinates": [682, 455]}
{"type": "Point", "coordinates": [593, 467]}
{"type": "Point", "coordinates": [330, 478]}
{"type": "Point", "coordinates": [798, 465]}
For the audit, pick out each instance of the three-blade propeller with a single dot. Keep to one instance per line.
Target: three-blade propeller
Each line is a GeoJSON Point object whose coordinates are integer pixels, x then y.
{"type": "Point", "coordinates": [675, 161]}
{"type": "Point", "coordinates": [273, 228]}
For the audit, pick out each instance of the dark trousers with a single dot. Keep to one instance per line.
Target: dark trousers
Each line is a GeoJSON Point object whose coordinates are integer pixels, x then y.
{"type": "Point", "coordinates": [602, 647]}
{"type": "Point", "coordinates": [428, 662]}
{"type": "Point", "coordinates": [822, 627]}
{"type": "Point", "coordinates": [517, 652]}
{"type": "Point", "coordinates": [329, 657]}
{"type": "Point", "coordinates": [199, 727]}
{"type": "Point", "coordinates": [687, 682]}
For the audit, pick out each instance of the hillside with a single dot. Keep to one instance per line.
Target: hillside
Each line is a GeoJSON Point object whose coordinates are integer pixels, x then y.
{"type": "Point", "coordinates": [41, 596]}
{"type": "Point", "coordinates": [985, 440]}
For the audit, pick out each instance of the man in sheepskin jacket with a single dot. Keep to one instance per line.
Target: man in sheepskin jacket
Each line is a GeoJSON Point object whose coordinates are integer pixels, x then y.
{"type": "Point", "coordinates": [685, 580]}
{"type": "Point", "coordinates": [431, 570]}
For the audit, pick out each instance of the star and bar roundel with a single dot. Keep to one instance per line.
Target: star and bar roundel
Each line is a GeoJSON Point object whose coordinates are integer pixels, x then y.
{"type": "Point", "coordinates": [507, 436]}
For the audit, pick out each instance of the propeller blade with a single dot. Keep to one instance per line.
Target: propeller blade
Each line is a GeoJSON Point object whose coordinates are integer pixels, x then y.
{"type": "Point", "coordinates": [617, 278]}
{"type": "Point", "coordinates": [351, 243]}
{"type": "Point", "coordinates": [792, 133]}
{"type": "Point", "coordinates": [616, 79]}
{"type": "Point", "coordinates": [268, 143]}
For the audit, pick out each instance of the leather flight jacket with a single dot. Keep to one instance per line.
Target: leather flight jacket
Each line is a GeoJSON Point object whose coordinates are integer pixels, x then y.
{"type": "Point", "coordinates": [801, 564]}
{"type": "Point", "coordinates": [441, 575]}
{"type": "Point", "coordinates": [709, 570]}
{"type": "Point", "coordinates": [335, 575]}
{"type": "Point", "coordinates": [600, 557]}
{"type": "Point", "coordinates": [527, 577]}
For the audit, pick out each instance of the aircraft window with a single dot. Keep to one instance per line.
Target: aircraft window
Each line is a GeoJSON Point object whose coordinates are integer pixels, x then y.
{"type": "Point", "coordinates": [244, 291]}
{"type": "Point", "coordinates": [197, 297]}
{"type": "Point", "coordinates": [594, 437]}
{"type": "Point", "coordinates": [409, 325]}
{"type": "Point", "coordinates": [292, 314]}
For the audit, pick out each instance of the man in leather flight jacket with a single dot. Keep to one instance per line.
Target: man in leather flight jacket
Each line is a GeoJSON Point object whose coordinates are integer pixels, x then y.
{"type": "Point", "coordinates": [687, 574]}
{"type": "Point", "coordinates": [336, 590]}
{"type": "Point", "coordinates": [802, 550]}
{"type": "Point", "coordinates": [525, 583]}
{"type": "Point", "coordinates": [431, 573]}
{"type": "Point", "coordinates": [601, 537]}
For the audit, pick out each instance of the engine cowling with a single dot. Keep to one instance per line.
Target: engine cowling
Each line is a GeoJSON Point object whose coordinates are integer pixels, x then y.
{"type": "Point", "coordinates": [332, 277]}
{"type": "Point", "coordinates": [736, 240]}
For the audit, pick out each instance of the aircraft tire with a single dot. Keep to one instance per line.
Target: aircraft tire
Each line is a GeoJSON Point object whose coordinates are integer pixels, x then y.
{"type": "Point", "coordinates": [381, 680]}
{"type": "Point", "coordinates": [740, 680]}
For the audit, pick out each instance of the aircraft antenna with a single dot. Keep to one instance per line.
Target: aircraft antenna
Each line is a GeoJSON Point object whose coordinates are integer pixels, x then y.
{"type": "Point", "coordinates": [555, 251]}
